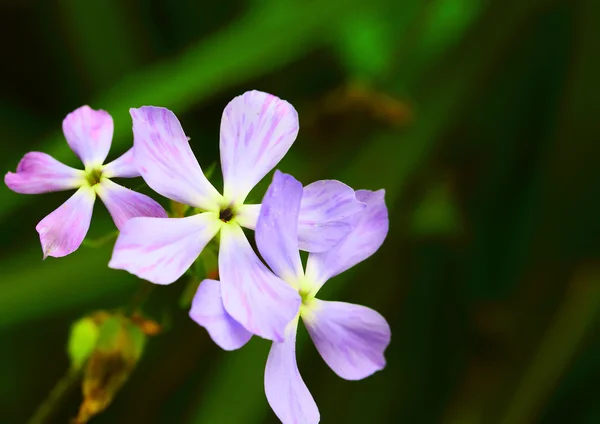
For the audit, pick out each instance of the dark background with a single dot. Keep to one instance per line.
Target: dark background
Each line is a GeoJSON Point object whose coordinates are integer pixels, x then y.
{"type": "Point", "coordinates": [479, 118]}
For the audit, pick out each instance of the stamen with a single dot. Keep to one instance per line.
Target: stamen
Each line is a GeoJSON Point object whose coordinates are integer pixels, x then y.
{"type": "Point", "coordinates": [93, 177]}
{"type": "Point", "coordinates": [226, 215]}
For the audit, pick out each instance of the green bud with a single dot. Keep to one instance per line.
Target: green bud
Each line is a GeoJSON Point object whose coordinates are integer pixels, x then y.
{"type": "Point", "coordinates": [82, 341]}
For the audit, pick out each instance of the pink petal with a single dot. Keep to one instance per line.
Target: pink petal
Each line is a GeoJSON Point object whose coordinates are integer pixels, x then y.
{"type": "Point", "coordinates": [160, 250]}
{"type": "Point", "coordinates": [350, 338]}
{"type": "Point", "coordinates": [277, 228]}
{"type": "Point", "coordinates": [63, 230]}
{"type": "Point", "coordinates": [166, 161]}
{"type": "Point", "coordinates": [208, 311]}
{"type": "Point", "coordinates": [326, 205]}
{"type": "Point", "coordinates": [253, 295]}
{"type": "Point", "coordinates": [122, 167]}
{"type": "Point", "coordinates": [124, 204]}
{"type": "Point", "coordinates": [369, 230]}
{"type": "Point", "coordinates": [286, 392]}
{"type": "Point", "coordinates": [257, 130]}
{"type": "Point", "coordinates": [40, 173]}
{"type": "Point", "coordinates": [89, 133]}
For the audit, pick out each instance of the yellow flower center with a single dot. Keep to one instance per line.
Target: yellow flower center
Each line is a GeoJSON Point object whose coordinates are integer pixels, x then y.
{"type": "Point", "coordinates": [93, 176]}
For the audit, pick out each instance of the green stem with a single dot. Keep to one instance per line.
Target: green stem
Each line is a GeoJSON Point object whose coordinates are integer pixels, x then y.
{"type": "Point", "coordinates": [99, 242]}
{"type": "Point", "coordinates": [140, 297]}
{"type": "Point", "coordinates": [46, 410]}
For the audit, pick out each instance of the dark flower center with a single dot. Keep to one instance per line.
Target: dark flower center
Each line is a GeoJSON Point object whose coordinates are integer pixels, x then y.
{"type": "Point", "coordinates": [225, 215]}
{"type": "Point", "coordinates": [93, 177]}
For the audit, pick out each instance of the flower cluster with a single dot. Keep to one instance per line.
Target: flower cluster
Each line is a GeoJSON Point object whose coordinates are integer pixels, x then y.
{"type": "Point", "coordinates": [337, 225]}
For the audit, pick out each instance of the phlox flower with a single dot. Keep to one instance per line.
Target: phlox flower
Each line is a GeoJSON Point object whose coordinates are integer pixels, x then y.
{"type": "Point", "coordinates": [350, 338]}
{"type": "Point", "coordinates": [89, 134]}
{"type": "Point", "coordinates": [257, 129]}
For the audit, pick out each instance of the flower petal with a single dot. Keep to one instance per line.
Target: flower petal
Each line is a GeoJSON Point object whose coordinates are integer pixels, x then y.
{"type": "Point", "coordinates": [166, 161]}
{"type": "Point", "coordinates": [286, 391]}
{"type": "Point", "coordinates": [89, 133]}
{"type": "Point", "coordinates": [325, 206]}
{"type": "Point", "coordinates": [124, 204]}
{"type": "Point", "coordinates": [369, 230]}
{"type": "Point", "coordinates": [350, 338]}
{"type": "Point", "coordinates": [253, 295]}
{"type": "Point", "coordinates": [257, 130]}
{"type": "Point", "coordinates": [247, 215]}
{"type": "Point", "coordinates": [277, 228]}
{"type": "Point", "coordinates": [63, 230]}
{"type": "Point", "coordinates": [321, 237]}
{"type": "Point", "coordinates": [40, 173]}
{"type": "Point", "coordinates": [122, 167]}
{"type": "Point", "coordinates": [160, 250]}
{"type": "Point", "coordinates": [208, 311]}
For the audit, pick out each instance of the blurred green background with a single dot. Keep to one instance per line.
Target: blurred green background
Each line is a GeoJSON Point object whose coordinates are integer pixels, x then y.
{"type": "Point", "coordinates": [479, 118]}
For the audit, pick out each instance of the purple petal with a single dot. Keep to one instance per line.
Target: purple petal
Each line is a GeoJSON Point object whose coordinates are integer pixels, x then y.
{"type": "Point", "coordinates": [257, 130]}
{"type": "Point", "coordinates": [89, 133]}
{"type": "Point", "coordinates": [40, 173]}
{"type": "Point", "coordinates": [208, 311]}
{"type": "Point", "coordinates": [247, 215]}
{"type": "Point", "coordinates": [369, 230]}
{"type": "Point", "coordinates": [350, 338]}
{"type": "Point", "coordinates": [286, 391]}
{"type": "Point", "coordinates": [160, 250]}
{"type": "Point", "coordinates": [63, 230]}
{"type": "Point", "coordinates": [122, 167]}
{"type": "Point", "coordinates": [321, 237]}
{"type": "Point", "coordinates": [253, 295]}
{"type": "Point", "coordinates": [166, 161]}
{"type": "Point", "coordinates": [124, 204]}
{"type": "Point", "coordinates": [277, 228]}
{"type": "Point", "coordinates": [325, 206]}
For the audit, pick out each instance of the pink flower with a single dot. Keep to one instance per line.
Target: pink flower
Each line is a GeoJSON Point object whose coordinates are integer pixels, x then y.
{"type": "Point", "coordinates": [350, 338]}
{"type": "Point", "coordinates": [89, 134]}
{"type": "Point", "coordinates": [257, 130]}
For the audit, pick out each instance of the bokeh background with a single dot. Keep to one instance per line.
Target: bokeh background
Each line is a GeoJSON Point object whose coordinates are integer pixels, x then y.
{"type": "Point", "coordinates": [480, 120]}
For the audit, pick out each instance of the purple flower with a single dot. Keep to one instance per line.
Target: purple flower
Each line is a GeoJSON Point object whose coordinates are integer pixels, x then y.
{"type": "Point", "coordinates": [350, 338]}
{"type": "Point", "coordinates": [257, 129]}
{"type": "Point", "coordinates": [89, 134]}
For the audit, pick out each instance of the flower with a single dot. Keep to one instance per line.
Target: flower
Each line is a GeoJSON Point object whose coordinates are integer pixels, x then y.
{"type": "Point", "coordinates": [350, 338]}
{"type": "Point", "coordinates": [257, 129]}
{"type": "Point", "coordinates": [89, 134]}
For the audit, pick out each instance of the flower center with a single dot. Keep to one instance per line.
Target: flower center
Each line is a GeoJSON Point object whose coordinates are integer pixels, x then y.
{"type": "Point", "coordinates": [93, 177]}
{"type": "Point", "coordinates": [226, 215]}
{"type": "Point", "coordinates": [305, 296]}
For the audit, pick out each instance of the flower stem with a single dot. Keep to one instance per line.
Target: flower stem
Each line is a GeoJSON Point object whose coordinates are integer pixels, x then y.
{"type": "Point", "coordinates": [46, 410]}
{"type": "Point", "coordinates": [140, 297]}
{"type": "Point", "coordinates": [99, 242]}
